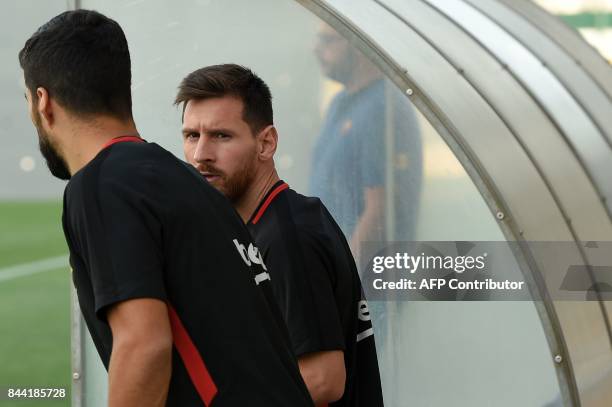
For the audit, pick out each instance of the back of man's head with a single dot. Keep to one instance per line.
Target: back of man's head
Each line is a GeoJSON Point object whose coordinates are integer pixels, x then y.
{"type": "Point", "coordinates": [82, 59]}
{"type": "Point", "coordinates": [217, 81]}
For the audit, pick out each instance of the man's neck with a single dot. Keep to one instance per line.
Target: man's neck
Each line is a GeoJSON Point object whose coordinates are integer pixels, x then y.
{"type": "Point", "coordinates": [87, 139]}
{"type": "Point", "coordinates": [255, 193]}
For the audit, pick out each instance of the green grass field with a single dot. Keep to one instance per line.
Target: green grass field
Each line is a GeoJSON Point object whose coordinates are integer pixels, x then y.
{"type": "Point", "coordinates": [34, 309]}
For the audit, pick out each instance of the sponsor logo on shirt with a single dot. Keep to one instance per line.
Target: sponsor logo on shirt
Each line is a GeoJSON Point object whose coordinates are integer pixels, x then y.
{"type": "Point", "coordinates": [252, 255]}
{"type": "Point", "coordinates": [363, 313]}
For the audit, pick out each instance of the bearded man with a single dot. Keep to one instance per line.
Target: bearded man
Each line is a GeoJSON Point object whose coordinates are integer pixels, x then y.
{"type": "Point", "coordinates": [229, 136]}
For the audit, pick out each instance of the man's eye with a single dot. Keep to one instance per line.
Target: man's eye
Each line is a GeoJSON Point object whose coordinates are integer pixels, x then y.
{"type": "Point", "coordinates": [221, 135]}
{"type": "Point", "coordinates": [192, 136]}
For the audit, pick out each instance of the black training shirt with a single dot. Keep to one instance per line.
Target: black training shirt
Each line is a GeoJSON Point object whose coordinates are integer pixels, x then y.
{"type": "Point", "coordinates": [142, 224]}
{"type": "Point", "coordinates": [316, 284]}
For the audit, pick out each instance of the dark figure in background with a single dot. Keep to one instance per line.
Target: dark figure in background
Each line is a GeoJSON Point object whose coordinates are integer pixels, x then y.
{"type": "Point", "coordinates": [367, 169]}
{"type": "Point", "coordinates": [367, 163]}
{"type": "Point", "coordinates": [158, 255]}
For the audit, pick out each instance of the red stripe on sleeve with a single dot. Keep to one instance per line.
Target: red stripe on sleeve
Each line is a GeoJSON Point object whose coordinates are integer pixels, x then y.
{"type": "Point", "coordinates": [196, 368]}
{"type": "Point", "coordinates": [267, 202]}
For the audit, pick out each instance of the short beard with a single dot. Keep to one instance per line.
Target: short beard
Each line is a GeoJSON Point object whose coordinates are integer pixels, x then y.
{"type": "Point", "coordinates": [343, 70]}
{"type": "Point", "coordinates": [237, 185]}
{"type": "Point", "coordinates": [234, 187]}
{"type": "Point", "coordinates": [55, 162]}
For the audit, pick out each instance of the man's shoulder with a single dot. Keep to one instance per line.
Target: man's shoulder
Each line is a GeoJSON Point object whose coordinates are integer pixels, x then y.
{"type": "Point", "coordinates": [312, 219]}
{"type": "Point", "coordinates": [123, 171]}
{"type": "Point", "coordinates": [127, 162]}
{"type": "Point", "coordinates": [295, 218]}
{"type": "Point", "coordinates": [134, 159]}
{"type": "Point", "coordinates": [305, 211]}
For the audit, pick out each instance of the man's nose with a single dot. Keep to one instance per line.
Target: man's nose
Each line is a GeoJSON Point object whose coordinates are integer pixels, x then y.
{"type": "Point", "coordinates": [203, 151]}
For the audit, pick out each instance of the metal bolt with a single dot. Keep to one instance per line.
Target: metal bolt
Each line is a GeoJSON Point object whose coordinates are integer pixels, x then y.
{"type": "Point", "coordinates": [409, 92]}
{"type": "Point", "coordinates": [76, 376]}
{"type": "Point", "coordinates": [558, 358]}
{"type": "Point", "coordinates": [500, 215]}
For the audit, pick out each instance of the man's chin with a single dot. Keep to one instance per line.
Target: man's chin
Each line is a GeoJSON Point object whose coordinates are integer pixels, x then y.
{"type": "Point", "coordinates": [218, 185]}
{"type": "Point", "coordinates": [61, 175]}
{"type": "Point", "coordinates": [55, 163]}
{"type": "Point", "coordinates": [59, 170]}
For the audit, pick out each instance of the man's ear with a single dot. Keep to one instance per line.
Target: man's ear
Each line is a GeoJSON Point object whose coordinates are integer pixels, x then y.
{"type": "Point", "coordinates": [44, 106]}
{"type": "Point", "coordinates": [267, 143]}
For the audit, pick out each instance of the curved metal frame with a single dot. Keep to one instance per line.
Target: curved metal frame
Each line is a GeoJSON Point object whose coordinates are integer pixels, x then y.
{"type": "Point", "coordinates": [592, 98]}
{"type": "Point", "coordinates": [473, 166]}
{"type": "Point", "coordinates": [567, 38]}
{"type": "Point", "coordinates": [358, 21]}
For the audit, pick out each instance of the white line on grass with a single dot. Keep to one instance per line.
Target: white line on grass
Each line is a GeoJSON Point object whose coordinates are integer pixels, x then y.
{"type": "Point", "coordinates": [39, 266]}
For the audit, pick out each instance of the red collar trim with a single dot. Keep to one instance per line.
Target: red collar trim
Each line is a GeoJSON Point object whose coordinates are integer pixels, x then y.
{"type": "Point", "coordinates": [271, 195]}
{"type": "Point", "coordinates": [123, 139]}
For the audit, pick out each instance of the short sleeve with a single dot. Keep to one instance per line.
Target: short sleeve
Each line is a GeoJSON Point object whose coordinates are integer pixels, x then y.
{"type": "Point", "coordinates": [302, 280]}
{"type": "Point", "coordinates": [120, 240]}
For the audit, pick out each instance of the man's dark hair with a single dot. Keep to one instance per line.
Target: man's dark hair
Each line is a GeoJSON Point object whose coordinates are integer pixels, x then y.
{"type": "Point", "coordinates": [230, 80]}
{"type": "Point", "coordinates": [82, 59]}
